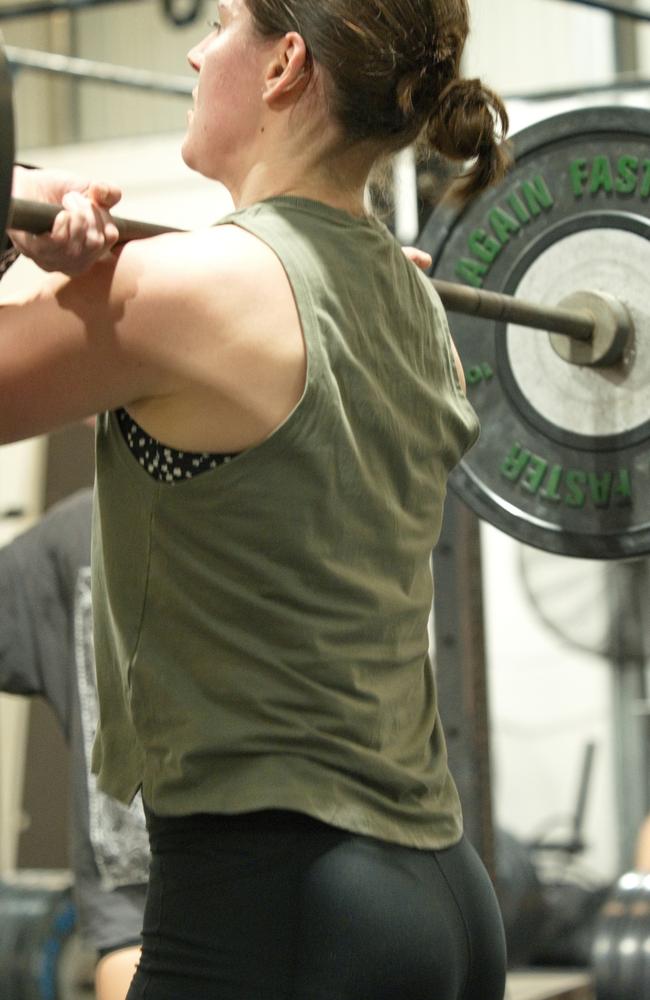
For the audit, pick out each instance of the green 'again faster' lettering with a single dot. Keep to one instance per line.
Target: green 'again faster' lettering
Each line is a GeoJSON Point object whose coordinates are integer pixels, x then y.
{"type": "Point", "coordinates": [622, 490]}
{"type": "Point", "coordinates": [626, 175]}
{"type": "Point", "coordinates": [515, 462]}
{"type": "Point", "coordinates": [521, 207]}
{"type": "Point", "coordinates": [537, 195]}
{"type": "Point", "coordinates": [579, 176]}
{"type": "Point", "coordinates": [551, 490]}
{"type": "Point", "coordinates": [574, 488]}
{"type": "Point", "coordinates": [601, 176]}
{"type": "Point", "coordinates": [479, 373]}
{"type": "Point", "coordinates": [484, 246]}
{"type": "Point", "coordinates": [645, 183]}
{"type": "Point", "coordinates": [600, 488]}
{"type": "Point", "coordinates": [471, 271]}
{"type": "Point", "coordinates": [535, 474]}
{"type": "Point", "coordinates": [576, 482]}
{"type": "Point", "coordinates": [503, 225]}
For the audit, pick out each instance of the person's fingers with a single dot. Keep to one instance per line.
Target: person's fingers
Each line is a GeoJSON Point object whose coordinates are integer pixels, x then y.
{"type": "Point", "coordinates": [82, 232]}
{"type": "Point", "coordinates": [91, 231]}
{"type": "Point", "coordinates": [106, 196]}
{"type": "Point", "coordinates": [50, 249]}
{"type": "Point", "coordinates": [419, 257]}
{"type": "Point", "coordinates": [112, 234]}
{"type": "Point", "coordinates": [103, 194]}
{"type": "Point", "coordinates": [53, 185]}
{"type": "Point", "coordinates": [60, 232]}
{"type": "Point", "coordinates": [86, 224]}
{"type": "Point", "coordinates": [69, 247]}
{"type": "Point", "coordinates": [101, 230]}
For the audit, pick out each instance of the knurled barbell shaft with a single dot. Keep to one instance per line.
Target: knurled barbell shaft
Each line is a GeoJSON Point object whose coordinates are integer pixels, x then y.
{"type": "Point", "coordinates": [38, 217]}
{"type": "Point", "coordinates": [492, 305]}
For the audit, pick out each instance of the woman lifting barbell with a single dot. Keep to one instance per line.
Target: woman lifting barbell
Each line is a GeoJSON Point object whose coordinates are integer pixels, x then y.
{"type": "Point", "coordinates": [280, 409]}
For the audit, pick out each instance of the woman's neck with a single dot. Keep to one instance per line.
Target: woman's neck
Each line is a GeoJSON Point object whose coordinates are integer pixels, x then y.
{"type": "Point", "coordinates": [333, 176]}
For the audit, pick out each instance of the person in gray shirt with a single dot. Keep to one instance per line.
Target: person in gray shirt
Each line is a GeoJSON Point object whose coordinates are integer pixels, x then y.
{"type": "Point", "coordinates": [46, 649]}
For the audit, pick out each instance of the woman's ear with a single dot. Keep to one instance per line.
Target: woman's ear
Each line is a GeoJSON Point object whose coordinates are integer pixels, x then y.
{"type": "Point", "coordinates": [286, 75]}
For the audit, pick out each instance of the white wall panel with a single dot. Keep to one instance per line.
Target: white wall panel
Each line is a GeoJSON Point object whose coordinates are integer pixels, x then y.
{"type": "Point", "coordinates": [548, 701]}
{"type": "Point", "coordinates": [524, 45]}
{"type": "Point", "coordinates": [53, 110]}
{"type": "Point", "coordinates": [133, 35]}
{"type": "Point", "coordinates": [42, 105]}
{"type": "Point", "coordinates": [643, 47]}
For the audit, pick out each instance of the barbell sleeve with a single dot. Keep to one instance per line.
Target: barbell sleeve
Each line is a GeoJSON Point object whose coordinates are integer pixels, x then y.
{"type": "Point", "coordinates": [578, 324]}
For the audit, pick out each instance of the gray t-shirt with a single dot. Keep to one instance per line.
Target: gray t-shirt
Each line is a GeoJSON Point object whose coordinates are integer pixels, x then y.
{"type": "Point", "coordinates": [46, 649]}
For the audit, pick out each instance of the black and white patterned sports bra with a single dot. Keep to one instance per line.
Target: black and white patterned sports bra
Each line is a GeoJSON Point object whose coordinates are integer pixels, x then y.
{"type": "Point", "coordinates": [167, 465]}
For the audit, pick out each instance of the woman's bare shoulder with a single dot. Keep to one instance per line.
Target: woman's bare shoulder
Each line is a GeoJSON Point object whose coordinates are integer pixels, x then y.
{"type": "Point", "coordinates": [220, 248]}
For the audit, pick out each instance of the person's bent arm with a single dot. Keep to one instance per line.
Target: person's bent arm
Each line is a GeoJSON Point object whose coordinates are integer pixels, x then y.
{"type": "Point", "coordinates": [172, 323]}
{"type": "Point", "coordinates": [78, 346]}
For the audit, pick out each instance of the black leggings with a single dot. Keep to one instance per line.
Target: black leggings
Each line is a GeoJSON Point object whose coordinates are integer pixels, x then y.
{"type": "Point", "coordinates": [277, 906]}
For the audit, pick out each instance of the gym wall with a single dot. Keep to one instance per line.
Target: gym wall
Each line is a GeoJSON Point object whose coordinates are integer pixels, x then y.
{"type": "Point", "coordinates": [522, 46]}
{"type": "Point", "coordinates": [52, 110]}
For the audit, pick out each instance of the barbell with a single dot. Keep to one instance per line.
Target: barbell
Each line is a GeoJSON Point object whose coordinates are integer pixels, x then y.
{"type": "Point", "coordinates": [564, 458]}
{"type": "Point", "coordinates": [600, 323]}
{"type": "Point", "coordinates": [582, 321]}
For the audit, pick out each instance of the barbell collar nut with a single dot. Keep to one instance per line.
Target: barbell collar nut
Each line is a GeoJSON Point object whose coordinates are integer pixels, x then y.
{"type": "Point", "coordinates": [613, 329]}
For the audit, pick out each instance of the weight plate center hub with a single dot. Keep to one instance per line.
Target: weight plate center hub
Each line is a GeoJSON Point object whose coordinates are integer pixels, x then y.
{"type": "Point", "coordinates": [613, 328]}
{"type": "Point", "coordinates": [583, 400]}
{"type": "Point", "coordinates": [563, 462]}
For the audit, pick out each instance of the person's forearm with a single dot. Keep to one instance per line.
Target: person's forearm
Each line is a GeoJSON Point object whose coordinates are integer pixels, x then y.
{"type": "Point", "coordinates": [114, 974]}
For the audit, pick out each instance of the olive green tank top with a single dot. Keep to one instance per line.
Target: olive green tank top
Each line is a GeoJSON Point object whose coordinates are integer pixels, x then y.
{"type": "Point", "coordinates": [261, 629]}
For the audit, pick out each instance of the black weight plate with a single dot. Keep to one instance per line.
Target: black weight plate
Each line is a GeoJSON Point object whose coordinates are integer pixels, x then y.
{"type": "Point", "coordinates": [621, 943]}
{"type": "Point", "coordinates": [7, 141]}
{"type": "Point", "coordinates": [563, 462]}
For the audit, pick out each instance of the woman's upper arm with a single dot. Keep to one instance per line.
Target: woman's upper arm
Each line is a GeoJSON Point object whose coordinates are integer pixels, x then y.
{"type": "Point", "coordinates": [78, 346]}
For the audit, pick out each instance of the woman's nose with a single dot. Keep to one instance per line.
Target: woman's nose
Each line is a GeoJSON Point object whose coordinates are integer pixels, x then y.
{"type": "Point", "coordinates": [195, 56]}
